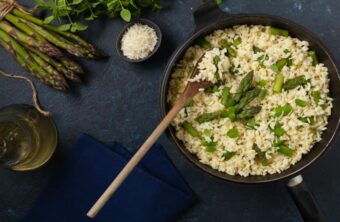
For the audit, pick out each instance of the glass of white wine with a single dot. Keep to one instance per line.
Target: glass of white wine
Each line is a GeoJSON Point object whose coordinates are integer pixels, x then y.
{"type": "Point", "coordinates": [27, 138]}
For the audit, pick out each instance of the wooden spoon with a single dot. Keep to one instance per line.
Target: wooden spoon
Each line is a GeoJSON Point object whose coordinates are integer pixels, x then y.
{"type": "Point", "coordinates": [190, 91]}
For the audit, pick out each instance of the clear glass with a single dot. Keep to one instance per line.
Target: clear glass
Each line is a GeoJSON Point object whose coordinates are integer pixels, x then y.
{"type": "Point", "coordinates": [27, 138]}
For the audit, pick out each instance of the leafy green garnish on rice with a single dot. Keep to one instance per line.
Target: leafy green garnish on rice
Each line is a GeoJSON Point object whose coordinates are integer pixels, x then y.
{"type": "Point", "coordinates": [237, 41]}
{"type": "Point", "coordinates": [225, 44]}
{"type": "Point", "coordinates": [283, 110]}
{"type": "Point", "coordinates": [233, 133]}
{"type": "Point", "coordinates": [227, 155]}
{"type": "Point", "coordinates": [316, 97]}
{"type": "Point", "coordinates": [278, 130]}
{"type": "Point", "coordinates": [209, 146]}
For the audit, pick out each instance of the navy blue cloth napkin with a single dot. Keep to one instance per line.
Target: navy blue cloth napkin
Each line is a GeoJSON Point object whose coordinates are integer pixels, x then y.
{"type": "Point", "coordinates": [154, 191]}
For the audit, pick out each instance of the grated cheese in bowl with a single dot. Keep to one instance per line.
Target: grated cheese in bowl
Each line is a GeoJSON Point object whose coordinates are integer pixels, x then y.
{"type": "Point", "coordinates": [138, 41]}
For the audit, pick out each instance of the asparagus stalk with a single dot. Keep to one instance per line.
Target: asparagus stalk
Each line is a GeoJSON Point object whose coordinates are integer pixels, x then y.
{"type": "Point", "coordinates": [247, 98]}
{"type": "Point", "coordinates": [295, 82]}
{"type": "Point", "coordinates": [49, 69]}
{"type": "Point", "coordinates": [49, 27]}
{"type": "Point", "coordinates": [26, 61]}
{"type": "Point", "coordinates": [56, 40]}
{"type": "Point", "coordinates": [71, 65]}
{"type": "Point", "coordinates": [69, 74]}
{"type": "Point", "coordinates": [249, 112]}
{"type": "Point", "coordinates": [36, 43]}
{"type": "Point", "coordinates": [244, 86]}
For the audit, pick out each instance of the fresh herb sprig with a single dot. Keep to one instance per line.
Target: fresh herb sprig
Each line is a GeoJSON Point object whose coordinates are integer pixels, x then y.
{"type": "Point", "coordinates": [91, 9]}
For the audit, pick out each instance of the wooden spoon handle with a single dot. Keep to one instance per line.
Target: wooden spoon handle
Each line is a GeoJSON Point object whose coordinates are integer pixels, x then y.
{"type": "Point", "coordinates": [136, 158]}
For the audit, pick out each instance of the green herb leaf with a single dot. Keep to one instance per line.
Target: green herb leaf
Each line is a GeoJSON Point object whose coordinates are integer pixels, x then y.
{"type": "Point", "coordinates": [283, 110]}
{"type": "Point", "coordinates": [316, 97]}
{"type": "Point", "coordinates": [48, 19]}
{"type": "Point", "coordinates": [262, 82]}
{"type": "Point", "coordinates": [65, 27]}
{"type": "Point", "coordinates": [307, 119]}
{"type": "Point", "coordinates": [227, 155]}
{"type": "Point", "coordinates": [237, 41]}
{"type": "Point", "coordinates": [125, 14]}
{"type": "Point", "coordinates": [278, 130]}
{"type": "Point", "coordinates": [209, 146]}
{"type": "Point", "coordinates": [233, 133]}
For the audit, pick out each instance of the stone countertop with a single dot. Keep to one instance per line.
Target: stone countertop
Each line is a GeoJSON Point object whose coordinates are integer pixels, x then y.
{"type": "Point", "coordinates": [120, 101]}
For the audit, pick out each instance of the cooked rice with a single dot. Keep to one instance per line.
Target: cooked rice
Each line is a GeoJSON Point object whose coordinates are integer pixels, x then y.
{"type": "Point", "coordinates": [299, 136]}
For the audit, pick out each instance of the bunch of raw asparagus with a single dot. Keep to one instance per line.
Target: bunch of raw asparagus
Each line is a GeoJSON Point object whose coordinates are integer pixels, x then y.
{"type": "Point", "coordinates": [40, 47]}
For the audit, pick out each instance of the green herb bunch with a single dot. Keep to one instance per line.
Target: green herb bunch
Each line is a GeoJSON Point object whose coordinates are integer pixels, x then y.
{"type": "Point", "coordinates": [91, 9]}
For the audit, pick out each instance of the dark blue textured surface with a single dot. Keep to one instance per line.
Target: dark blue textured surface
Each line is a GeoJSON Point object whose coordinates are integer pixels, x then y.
{"type": "Point", "coordinates": [119, 101]}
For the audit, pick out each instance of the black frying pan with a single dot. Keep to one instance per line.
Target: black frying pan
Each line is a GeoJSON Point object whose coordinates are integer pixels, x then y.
{"type": "Point", "coordinates": [208, 17]}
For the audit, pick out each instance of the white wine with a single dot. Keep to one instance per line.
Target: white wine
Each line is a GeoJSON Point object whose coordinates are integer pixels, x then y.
{"type": "Point", "coordinates": [27, 138]}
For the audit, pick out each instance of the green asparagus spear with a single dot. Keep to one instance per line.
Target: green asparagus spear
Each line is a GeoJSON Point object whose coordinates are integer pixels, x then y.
{"type": "Point", "coordinates": [277, 31]}
{"type": "Point", "coordinates": [313, 55]}
{"type": "Point", "coordinates": [244, 86]}
{"type": "Point", "coordinates": [26, 61]}
{"type": "Point", "coordinates": [40, 45]}
{"type": "Point", "coordinates": [278, 82]}
{"type": "Point", "coordinates": [278, 130]}
{"type": "Point", "coordinates": [206, 117]}
{"type": "Point", "coordinates": [71, 65]}
{"type": "Point", "coordinates": [69, 74]}
{"type": "Point", "coordinates": [190, 129]}
{"type": "Point", "coordinates": [52, 72]}
{"type": "Point", "coordinates": [75, 38]}
{"type": "Point", "coordinates": [247, 98]}
{"type": "Point", "coordinates": [57, 40]}
{"type": "Point", "coordinates": [216, 60]}
{"type": "Point", "coordinates": [279, 65]}
{"type": "Point", "coordinates": [249, 112]}
{"type": "Point", "coordinates": [295, 82]}
{"type": "Point", "coordinates": [225, 96]}
{"type": "Point", "coordinates": [260, 156]}
{"type": "Point", "coordinates": [285, 150]}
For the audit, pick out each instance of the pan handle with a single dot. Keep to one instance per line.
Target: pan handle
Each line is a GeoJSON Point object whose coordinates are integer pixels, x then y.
{"type": "Point", "coordinates": [208, 13]}
{"type": "Point", "coordinates": [305, 200]}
